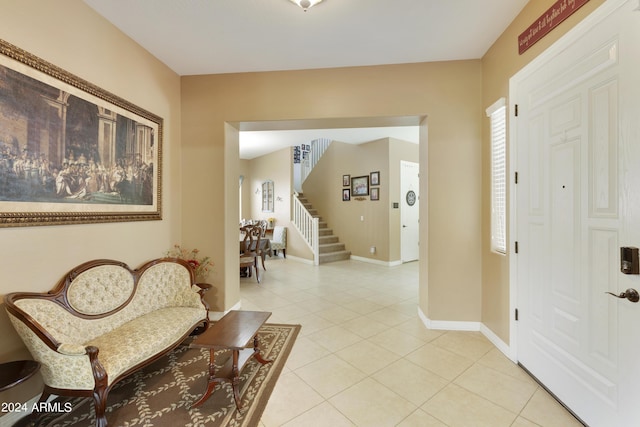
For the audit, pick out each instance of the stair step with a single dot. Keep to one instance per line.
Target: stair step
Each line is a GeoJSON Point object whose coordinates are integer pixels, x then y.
{"type": "Point", "coordinates": [334, 256]}
{"type": "Point", "coordinates": [325, 240]}
{"type": "Point", "coordinates": [325, 232]}
{"type": "Point", "coordinates": [331, 247]}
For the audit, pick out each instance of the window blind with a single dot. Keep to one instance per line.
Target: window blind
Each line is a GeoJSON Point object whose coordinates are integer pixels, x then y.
{"type": "Point", "coordinates": [497, 114]}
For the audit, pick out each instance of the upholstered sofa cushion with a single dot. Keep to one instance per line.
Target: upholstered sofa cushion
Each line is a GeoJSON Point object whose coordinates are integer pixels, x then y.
{"type": "Point", "coordinates": [120, 349]}
{"type": "Point", "coordinates": [100, 290]}
{"type": "Point", "coordinates": [142, 338]}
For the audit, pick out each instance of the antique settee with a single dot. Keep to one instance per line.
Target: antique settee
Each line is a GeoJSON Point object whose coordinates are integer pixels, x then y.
{"type": "Point", "coordinates": [103, 321]}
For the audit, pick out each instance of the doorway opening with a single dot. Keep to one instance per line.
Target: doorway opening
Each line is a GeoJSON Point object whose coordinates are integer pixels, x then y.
{"type": "Point", "coordinates": [260, 138]}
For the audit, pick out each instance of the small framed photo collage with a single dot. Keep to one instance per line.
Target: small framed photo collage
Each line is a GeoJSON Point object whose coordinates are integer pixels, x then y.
{"type": "Point", "coordinates": [360, 186]}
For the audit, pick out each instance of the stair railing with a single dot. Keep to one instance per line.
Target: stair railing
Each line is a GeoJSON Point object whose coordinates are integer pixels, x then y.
{"type": "Point", "coordinates": [317, 149]}
{"type": "Point", "coordinates": [307, 226]}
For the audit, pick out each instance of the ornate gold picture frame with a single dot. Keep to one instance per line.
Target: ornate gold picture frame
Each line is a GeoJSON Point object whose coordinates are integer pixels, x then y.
{"type": "Point", "coordinates": [70, 152]}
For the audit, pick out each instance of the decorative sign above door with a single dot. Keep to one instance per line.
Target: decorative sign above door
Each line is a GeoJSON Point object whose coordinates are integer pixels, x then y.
{"type": "Point", "coordinates": [561, 10]}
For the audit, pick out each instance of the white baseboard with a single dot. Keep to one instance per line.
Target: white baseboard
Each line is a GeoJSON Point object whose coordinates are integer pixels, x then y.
{"type": "Point", "coordinates": [448, 325]}
{"type": "Point", "coordinates": [217, 315]}
{"type": "Point", "coordinates": [375, 261]}
{"type": "Point", "coordinates": [353, 257]}
{"type": "Point", "coordinates": [298, 259]}
{"type": "Point", "coordinates": [236, 306]}
{"type": "Point", "coordinates": [495, 340]}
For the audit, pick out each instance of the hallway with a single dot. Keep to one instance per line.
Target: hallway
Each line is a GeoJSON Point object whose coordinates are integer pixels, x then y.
{"type": "Point", "coordinates": [364, 358]}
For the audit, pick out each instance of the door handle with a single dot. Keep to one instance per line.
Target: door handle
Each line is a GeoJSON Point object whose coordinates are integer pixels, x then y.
{"type": "Point", "coordinates": [630, 294]}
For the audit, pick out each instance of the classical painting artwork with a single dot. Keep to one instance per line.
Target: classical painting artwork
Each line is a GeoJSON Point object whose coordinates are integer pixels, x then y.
{"type": "Point", "coordinates": [71, 152]}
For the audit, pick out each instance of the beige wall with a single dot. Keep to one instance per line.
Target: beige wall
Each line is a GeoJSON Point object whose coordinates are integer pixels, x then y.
{"type": "Point", "coordinates": [276, 167]}
{"type": "Point", "coordinates": [499, 64]}
{"type": "Point", "coordinates": [381, 225]}
{"type": "Point", "coordinates": [323, 189]}
{"type": "Point", "coordinates": [447, 92]}
{"type": "Point", "coordinates": [70, 35]}
{"type": "Point", "coordinates": [245, 194]}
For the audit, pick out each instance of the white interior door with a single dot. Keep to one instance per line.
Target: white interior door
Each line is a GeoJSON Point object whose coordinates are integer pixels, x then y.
{"type": "Point", "coordinates": [409, 210]}
{"type": "Point", "coordinates": [578, 201]}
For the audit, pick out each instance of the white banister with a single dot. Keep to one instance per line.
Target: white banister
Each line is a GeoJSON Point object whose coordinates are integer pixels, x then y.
{"type": "Point", "coordinates": [318, 147]}
{"type": "Point", "coordinates": [307, 226]}
{"type": "Point", "coordinates": [303, 221]}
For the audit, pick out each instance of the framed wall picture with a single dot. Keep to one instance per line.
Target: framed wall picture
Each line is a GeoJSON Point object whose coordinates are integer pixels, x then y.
{"type": "Point", "coordinates": [346, 194]}
{"type": "Point", "coordinates": [346, 180]}
{"type": "Point", "coordinates": [71, 152]}
{"type": "Point", "coordinates": [375, 193]}
{"type": "Point", "coordinates": [375, 178]}
{"type": "Point", "coordinates": [267, 196]}
{"type": "Point", "coordinates": [360, 186]}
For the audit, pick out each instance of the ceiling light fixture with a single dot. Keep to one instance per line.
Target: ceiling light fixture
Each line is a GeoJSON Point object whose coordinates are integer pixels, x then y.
{"type": "Point", "coordinates": [306, 4]}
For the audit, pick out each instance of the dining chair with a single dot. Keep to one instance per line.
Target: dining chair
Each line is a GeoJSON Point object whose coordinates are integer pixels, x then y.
{"type": "Point", "coordinates": [265, 244]}
{"type": "Point", "coordinates": [263, 226]}
{"type": "Point", "coordinates": [250, 249]}
{"type": "Point", "coordinates": [279, 241]}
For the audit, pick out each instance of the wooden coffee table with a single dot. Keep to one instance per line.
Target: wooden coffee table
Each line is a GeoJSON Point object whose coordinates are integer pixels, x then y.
{"type": "Point", "coordinates": [235, 331]}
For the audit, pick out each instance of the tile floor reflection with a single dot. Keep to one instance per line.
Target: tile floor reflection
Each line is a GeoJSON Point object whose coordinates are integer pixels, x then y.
{"type": "Point", "coordinates": [364, 358]}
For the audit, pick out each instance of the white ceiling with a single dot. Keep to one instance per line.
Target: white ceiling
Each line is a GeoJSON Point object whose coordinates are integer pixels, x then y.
{"type": "Point", "coordinates": [231, 36]}
{"type": "Point", "coordinates": [258, 143]}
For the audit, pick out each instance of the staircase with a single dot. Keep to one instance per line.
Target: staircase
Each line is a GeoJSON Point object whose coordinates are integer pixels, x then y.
{"type": "Point", "coordinates": [329, 247]}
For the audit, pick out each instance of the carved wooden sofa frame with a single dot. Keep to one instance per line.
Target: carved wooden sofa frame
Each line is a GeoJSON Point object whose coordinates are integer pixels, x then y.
{"type": "Point", "coordinates": [103, 321]}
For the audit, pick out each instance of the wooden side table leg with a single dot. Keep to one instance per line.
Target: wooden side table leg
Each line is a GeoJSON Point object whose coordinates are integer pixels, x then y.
{"type": "Point", "coordinates": [235, 382]}
{"type": "Point", "coordinates": [211, 381]}
{"type": "Point", "coordinates": [256, 351]}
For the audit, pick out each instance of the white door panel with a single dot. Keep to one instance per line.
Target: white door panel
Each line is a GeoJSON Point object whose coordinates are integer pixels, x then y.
{"type": "Point", "coordinates": [577, 142]}
{"type": "Point", "coordinates": [409, 210]}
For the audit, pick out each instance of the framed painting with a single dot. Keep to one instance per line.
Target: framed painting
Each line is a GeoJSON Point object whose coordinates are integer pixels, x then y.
{"type": "Point", "coordinates": [375, 178]}
{"type": "Point", "coordinates": [70, 152]}
{"type": "Point", "coordinates": [346, 180]}
{"type": "Point", "coordinates": [375, 193]}
{"type": "Point", "coordinates": [360, 186]}
{"type": "Point", "coordinates": [346, 194]}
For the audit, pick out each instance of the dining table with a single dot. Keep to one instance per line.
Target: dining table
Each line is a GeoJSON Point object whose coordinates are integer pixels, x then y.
{"type": "Point", "coordinates": [265, 246]}
{"type": "Point", "coordinates": [265, 249]}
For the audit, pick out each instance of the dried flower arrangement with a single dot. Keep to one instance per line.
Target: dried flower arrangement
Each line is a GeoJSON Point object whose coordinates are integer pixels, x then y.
{"type": "Point", "coordinates": [201, 265]}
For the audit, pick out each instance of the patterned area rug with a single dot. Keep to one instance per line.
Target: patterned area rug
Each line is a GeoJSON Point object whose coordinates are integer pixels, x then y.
{"type": "Point", "coordinates": [162, 393]}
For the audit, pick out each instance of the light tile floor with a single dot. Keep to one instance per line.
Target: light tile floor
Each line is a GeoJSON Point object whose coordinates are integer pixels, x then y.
{"type": "Point", "coordinates": [364, 358]}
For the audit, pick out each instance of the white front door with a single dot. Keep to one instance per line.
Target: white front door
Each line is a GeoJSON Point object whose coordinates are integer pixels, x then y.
{"type": "Point", "coordinates": [409, 210]}
{"type": "Point", "coordinates": [577, 148]}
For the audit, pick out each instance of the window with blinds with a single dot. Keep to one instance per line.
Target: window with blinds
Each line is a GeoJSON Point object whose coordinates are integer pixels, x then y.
{"type": "Point", "coordinates": [497, 114]}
